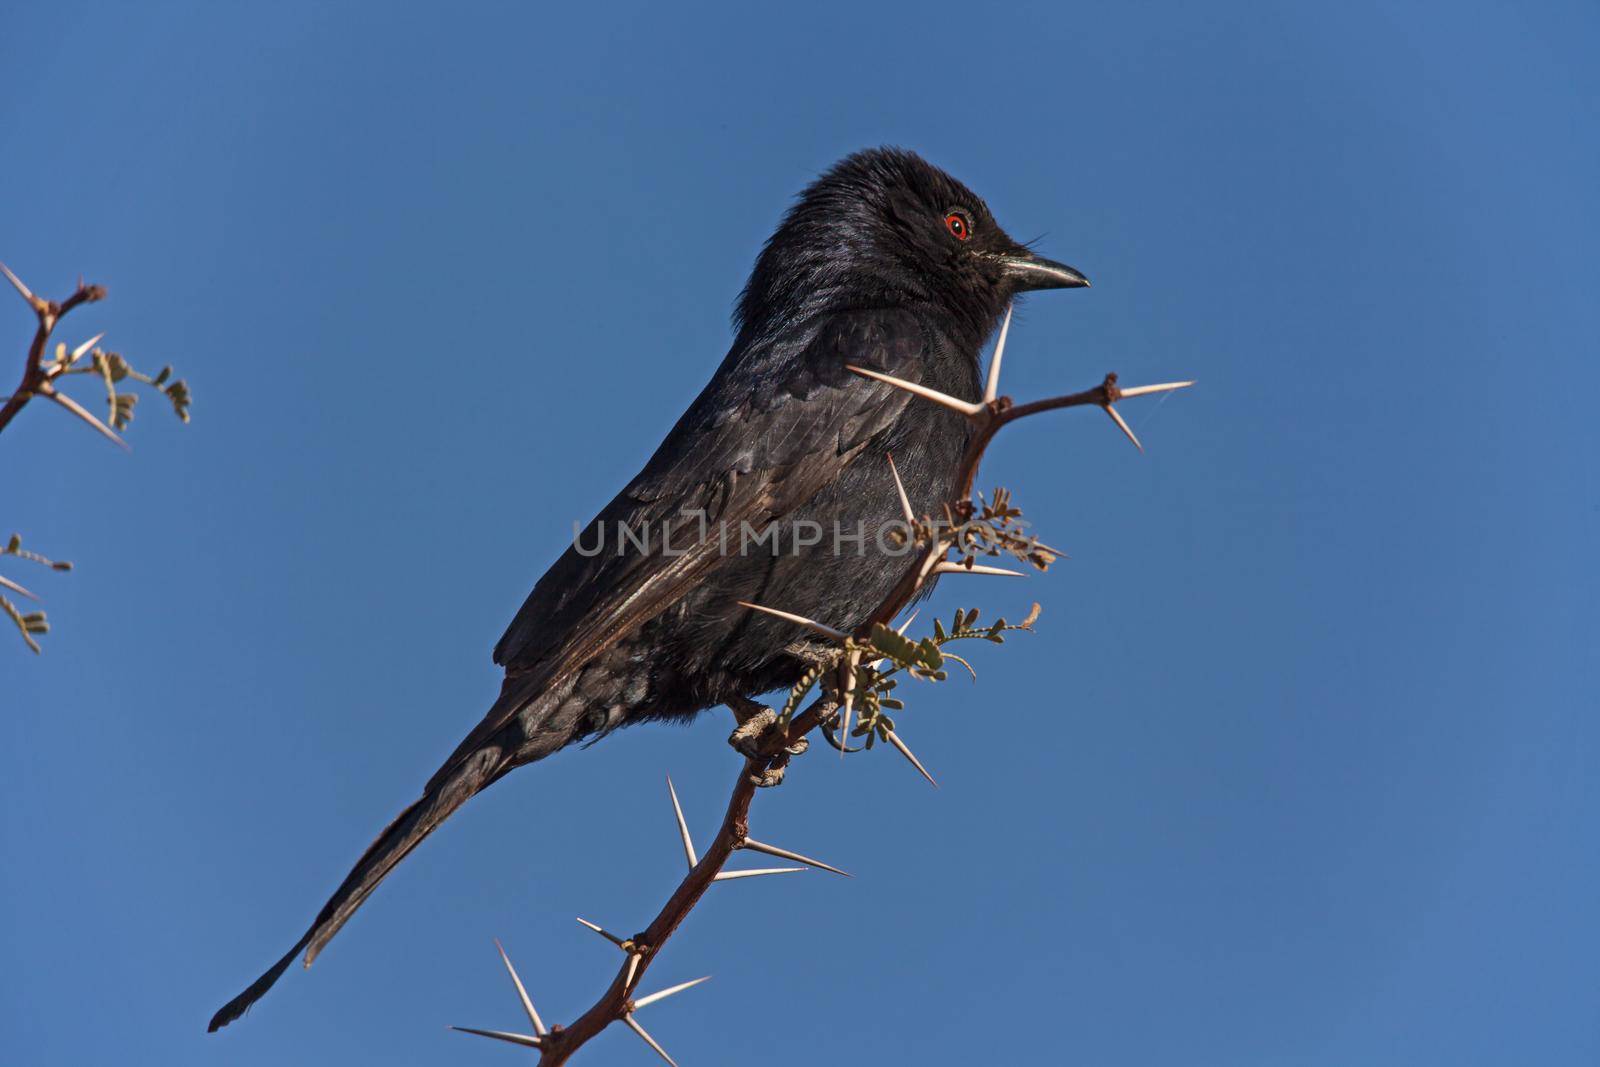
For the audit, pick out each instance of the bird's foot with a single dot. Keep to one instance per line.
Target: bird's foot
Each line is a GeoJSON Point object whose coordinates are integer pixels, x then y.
{"type": "Point", "coordinates": [767, 777]}
{"type": "Point", "coordinates": [760, 739]}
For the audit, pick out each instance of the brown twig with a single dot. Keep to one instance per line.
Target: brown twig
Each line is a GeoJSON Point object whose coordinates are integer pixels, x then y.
{"type": "Point", "coordinates": [988, 417]}
{"type": "Point", "coordinates": [45, 376]}
{"type": "Point", "coordinates": [613, 1004]}
{"type": "Point", "coordinates": [35, 377]}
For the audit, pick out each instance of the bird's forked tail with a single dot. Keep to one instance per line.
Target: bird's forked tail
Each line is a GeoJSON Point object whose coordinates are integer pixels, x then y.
{"type": "Point", "coordinates": [444, 795]}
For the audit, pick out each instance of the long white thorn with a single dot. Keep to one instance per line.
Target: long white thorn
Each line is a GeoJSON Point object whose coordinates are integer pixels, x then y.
{"type": "Point", "coordinates": [603, 932]}
{"type": "Point", "coordinates": [633, 971]}
{"type": "Point", "coordinates": [899, 487]}
{"type": "Point", "coordinates": [665, 993]}
{"type": "Point", "coordinates": [1056, 552]}
{"type": "Point", "coordinates": [789, 616]}
{"type": "Point", "coordinates": [967, 408]}
{"type": "Point", "coordinates": [78, 353]}
{"type": "Point", "coordinates": [27, 294]}
{"type": "Point", "coordinates": [77, 409]}
{"type": "Point", "coordinates": [991, 388]}
{"type": "Point", "coordinates": [785, 854]}
{"type": "Point", "coordinates": [7, 583]}
{"type": "Point", "coordinates": [501, 1035]}
{"type": "Point", "coordinates": [848, 687]}
{"type": "Point", "coordinates": [894, 739]}
{"type": "Point", "coordinates": [729, 876]}
{"type": "Point", "coordinates": [633, 1024]}
{"type": "Point", "coordinates": [952, 567]}
{"type": "Point", "coordinates": [683, 827]}
{"type": "Point", "coordinates": [1146, 390]}
{"type": "Point", "coordinates": [1116, 417]}
{"type": "Point", "coordinates": [522, 993]}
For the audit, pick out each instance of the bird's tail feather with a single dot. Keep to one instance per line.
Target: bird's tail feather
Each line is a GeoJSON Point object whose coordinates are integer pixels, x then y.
{"type": "Point", "coordinates": [397, 840]}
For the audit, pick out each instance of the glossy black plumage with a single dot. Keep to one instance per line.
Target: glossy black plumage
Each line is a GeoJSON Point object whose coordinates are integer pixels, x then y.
{"type": "Point", "coordinates": [867, 268]}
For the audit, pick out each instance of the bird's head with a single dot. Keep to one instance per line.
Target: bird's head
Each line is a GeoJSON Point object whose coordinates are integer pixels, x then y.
{"type": "Point", "coordinates": [885, 227]}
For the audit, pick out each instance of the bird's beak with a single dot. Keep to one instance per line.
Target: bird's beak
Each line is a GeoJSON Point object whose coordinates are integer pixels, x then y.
{"type": "Point", "coordinates": [1027, 271]}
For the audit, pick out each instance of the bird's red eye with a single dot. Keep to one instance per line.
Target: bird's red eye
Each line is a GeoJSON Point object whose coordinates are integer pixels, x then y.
{"type": "Point", "coordinates": [959, 226]}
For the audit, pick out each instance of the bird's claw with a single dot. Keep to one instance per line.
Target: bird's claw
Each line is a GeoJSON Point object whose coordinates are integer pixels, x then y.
{"type": "Point", "coordinates": [767, 777]}
{"type": "Point", "coordinates": [761, 740]}
{"type": "Point", "coordinates": [749, 738]}
{"type": "Point", "coordinates": [759, 737]}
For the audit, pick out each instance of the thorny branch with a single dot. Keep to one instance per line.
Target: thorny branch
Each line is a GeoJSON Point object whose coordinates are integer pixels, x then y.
{"type": "Point", "coordinates": [35, 376]}
{"type": "Point", "coordinates": [832, 710]}
{"type": "Point", "coordinates": [39, 378]}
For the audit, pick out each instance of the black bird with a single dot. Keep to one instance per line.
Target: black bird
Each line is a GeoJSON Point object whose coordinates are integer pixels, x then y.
{"type": "Point", "coordinates": [884, 262]}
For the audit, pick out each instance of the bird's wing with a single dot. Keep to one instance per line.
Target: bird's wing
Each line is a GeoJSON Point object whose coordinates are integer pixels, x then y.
{"type": "Point", "coordinates": [772, 428]}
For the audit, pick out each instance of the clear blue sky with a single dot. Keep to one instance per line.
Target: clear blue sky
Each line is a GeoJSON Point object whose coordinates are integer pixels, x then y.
{"type": "Point", "coordinates": [1299, 768]}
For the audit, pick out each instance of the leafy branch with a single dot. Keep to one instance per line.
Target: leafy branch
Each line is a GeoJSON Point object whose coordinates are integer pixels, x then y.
{"type": "Point", "coordinates": [34, 622]}
{"type": "Point", "coordinates": [39, 377]}
{"type": "Point", "coordinates": [112, 368]}
{"type": "Point", "coordinates": [923, 660]}
{"type": "Point", "coordinates": [856, 680]}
